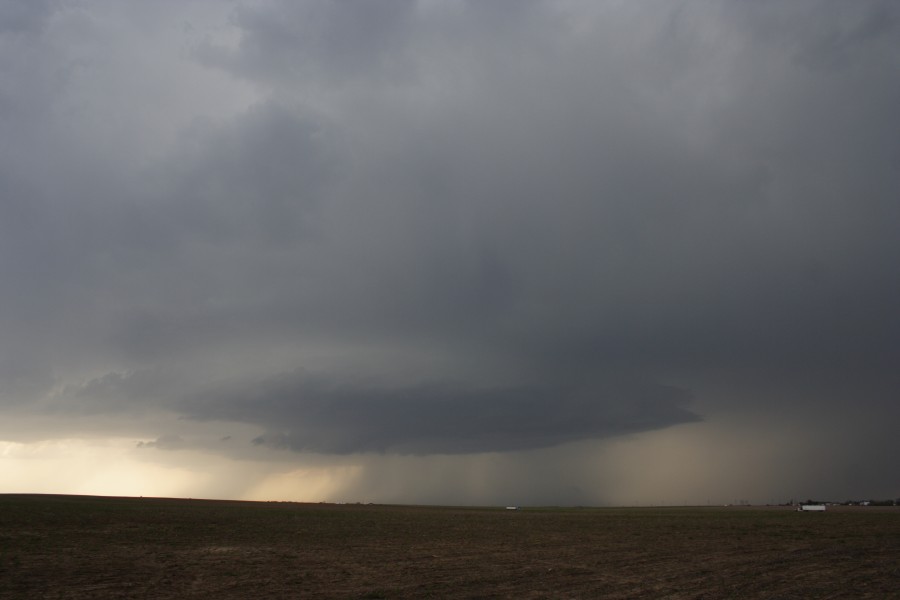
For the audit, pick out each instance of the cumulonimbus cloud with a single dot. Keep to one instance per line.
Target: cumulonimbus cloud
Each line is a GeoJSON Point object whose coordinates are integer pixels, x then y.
{"type": "Point", "coordinates": [309, 413]}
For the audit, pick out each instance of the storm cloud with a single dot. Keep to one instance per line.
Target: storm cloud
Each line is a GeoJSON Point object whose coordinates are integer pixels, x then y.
{"type": "Point", "coordinates": [341, 417]}
{"type": "Point", "coordinates": [365, 231]}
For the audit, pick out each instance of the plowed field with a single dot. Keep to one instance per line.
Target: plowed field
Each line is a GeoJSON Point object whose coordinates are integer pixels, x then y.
{"type": "Point", "coordinates": [77, 547]}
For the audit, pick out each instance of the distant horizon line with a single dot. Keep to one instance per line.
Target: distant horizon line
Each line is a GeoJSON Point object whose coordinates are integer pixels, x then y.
{"type": "Point", "coordinates": [865, 503]}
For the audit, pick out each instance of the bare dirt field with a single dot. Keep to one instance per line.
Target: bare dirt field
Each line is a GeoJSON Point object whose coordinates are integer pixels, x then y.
{"type": "Point", "coordinates": [80, 547]}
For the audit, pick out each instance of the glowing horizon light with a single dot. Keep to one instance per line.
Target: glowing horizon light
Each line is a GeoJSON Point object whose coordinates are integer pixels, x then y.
{"type": "Point", "coordinates": [105, 467]}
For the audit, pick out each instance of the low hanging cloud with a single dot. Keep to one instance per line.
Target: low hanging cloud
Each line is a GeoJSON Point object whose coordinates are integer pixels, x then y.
{"type": "Point", "coordinates": [164, 442]}
{"type": "Point", "coordinates": [309, 413]}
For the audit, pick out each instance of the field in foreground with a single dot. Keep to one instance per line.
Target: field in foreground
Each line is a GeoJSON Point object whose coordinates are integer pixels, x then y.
{"type": "Point", "coordinates": [88, 547]}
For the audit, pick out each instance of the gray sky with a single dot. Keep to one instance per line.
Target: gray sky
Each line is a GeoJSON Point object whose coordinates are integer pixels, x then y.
{"type": "Point", "coordinates": [460, 252]}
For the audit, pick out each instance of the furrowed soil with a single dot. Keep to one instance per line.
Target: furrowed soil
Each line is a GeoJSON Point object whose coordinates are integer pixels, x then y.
{"type": "Point", "coordinates": [80, 547]}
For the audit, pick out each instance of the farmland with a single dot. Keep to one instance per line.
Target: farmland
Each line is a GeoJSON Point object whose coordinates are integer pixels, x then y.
{"type": "Point", "coordinates": [76, 547]}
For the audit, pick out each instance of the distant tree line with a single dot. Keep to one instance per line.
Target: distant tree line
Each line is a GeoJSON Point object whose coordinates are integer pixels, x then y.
{"type": "Point", "coordinates": [881, 502]}
{"type": "Point", "coordinates": [869, 502]}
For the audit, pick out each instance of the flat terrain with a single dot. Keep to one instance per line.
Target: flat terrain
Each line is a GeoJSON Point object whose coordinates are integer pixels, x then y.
{"type": "Point", "coordinates": [88, 547]}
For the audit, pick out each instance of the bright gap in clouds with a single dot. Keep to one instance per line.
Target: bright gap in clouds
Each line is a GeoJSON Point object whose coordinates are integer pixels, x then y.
{"type": "Point", "coordinates": [93, 467]}
{"type": "Point", "coordinates": [117, 467]}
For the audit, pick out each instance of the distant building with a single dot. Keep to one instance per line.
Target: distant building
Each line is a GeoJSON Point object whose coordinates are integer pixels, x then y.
{"type": "Point", "coordinates": [812, 508]}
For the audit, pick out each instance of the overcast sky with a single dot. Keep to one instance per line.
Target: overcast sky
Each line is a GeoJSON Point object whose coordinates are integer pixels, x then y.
{"type": "Point", "coordinates": [486, 251]}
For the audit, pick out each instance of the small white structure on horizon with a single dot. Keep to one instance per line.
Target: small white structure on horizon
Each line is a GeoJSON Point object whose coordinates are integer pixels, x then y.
{"type": "Point", "coordinates": [512, 508]}
{"type": "Point", "coordinates": [812, 508]}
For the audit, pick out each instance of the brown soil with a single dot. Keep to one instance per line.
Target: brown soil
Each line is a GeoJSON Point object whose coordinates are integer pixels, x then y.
{"type": "Point", "coordinates": [85, 547]}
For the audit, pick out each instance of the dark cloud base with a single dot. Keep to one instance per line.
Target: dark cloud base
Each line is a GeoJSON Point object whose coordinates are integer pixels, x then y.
{"type": "Point", "coordinates": [308, 413]}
